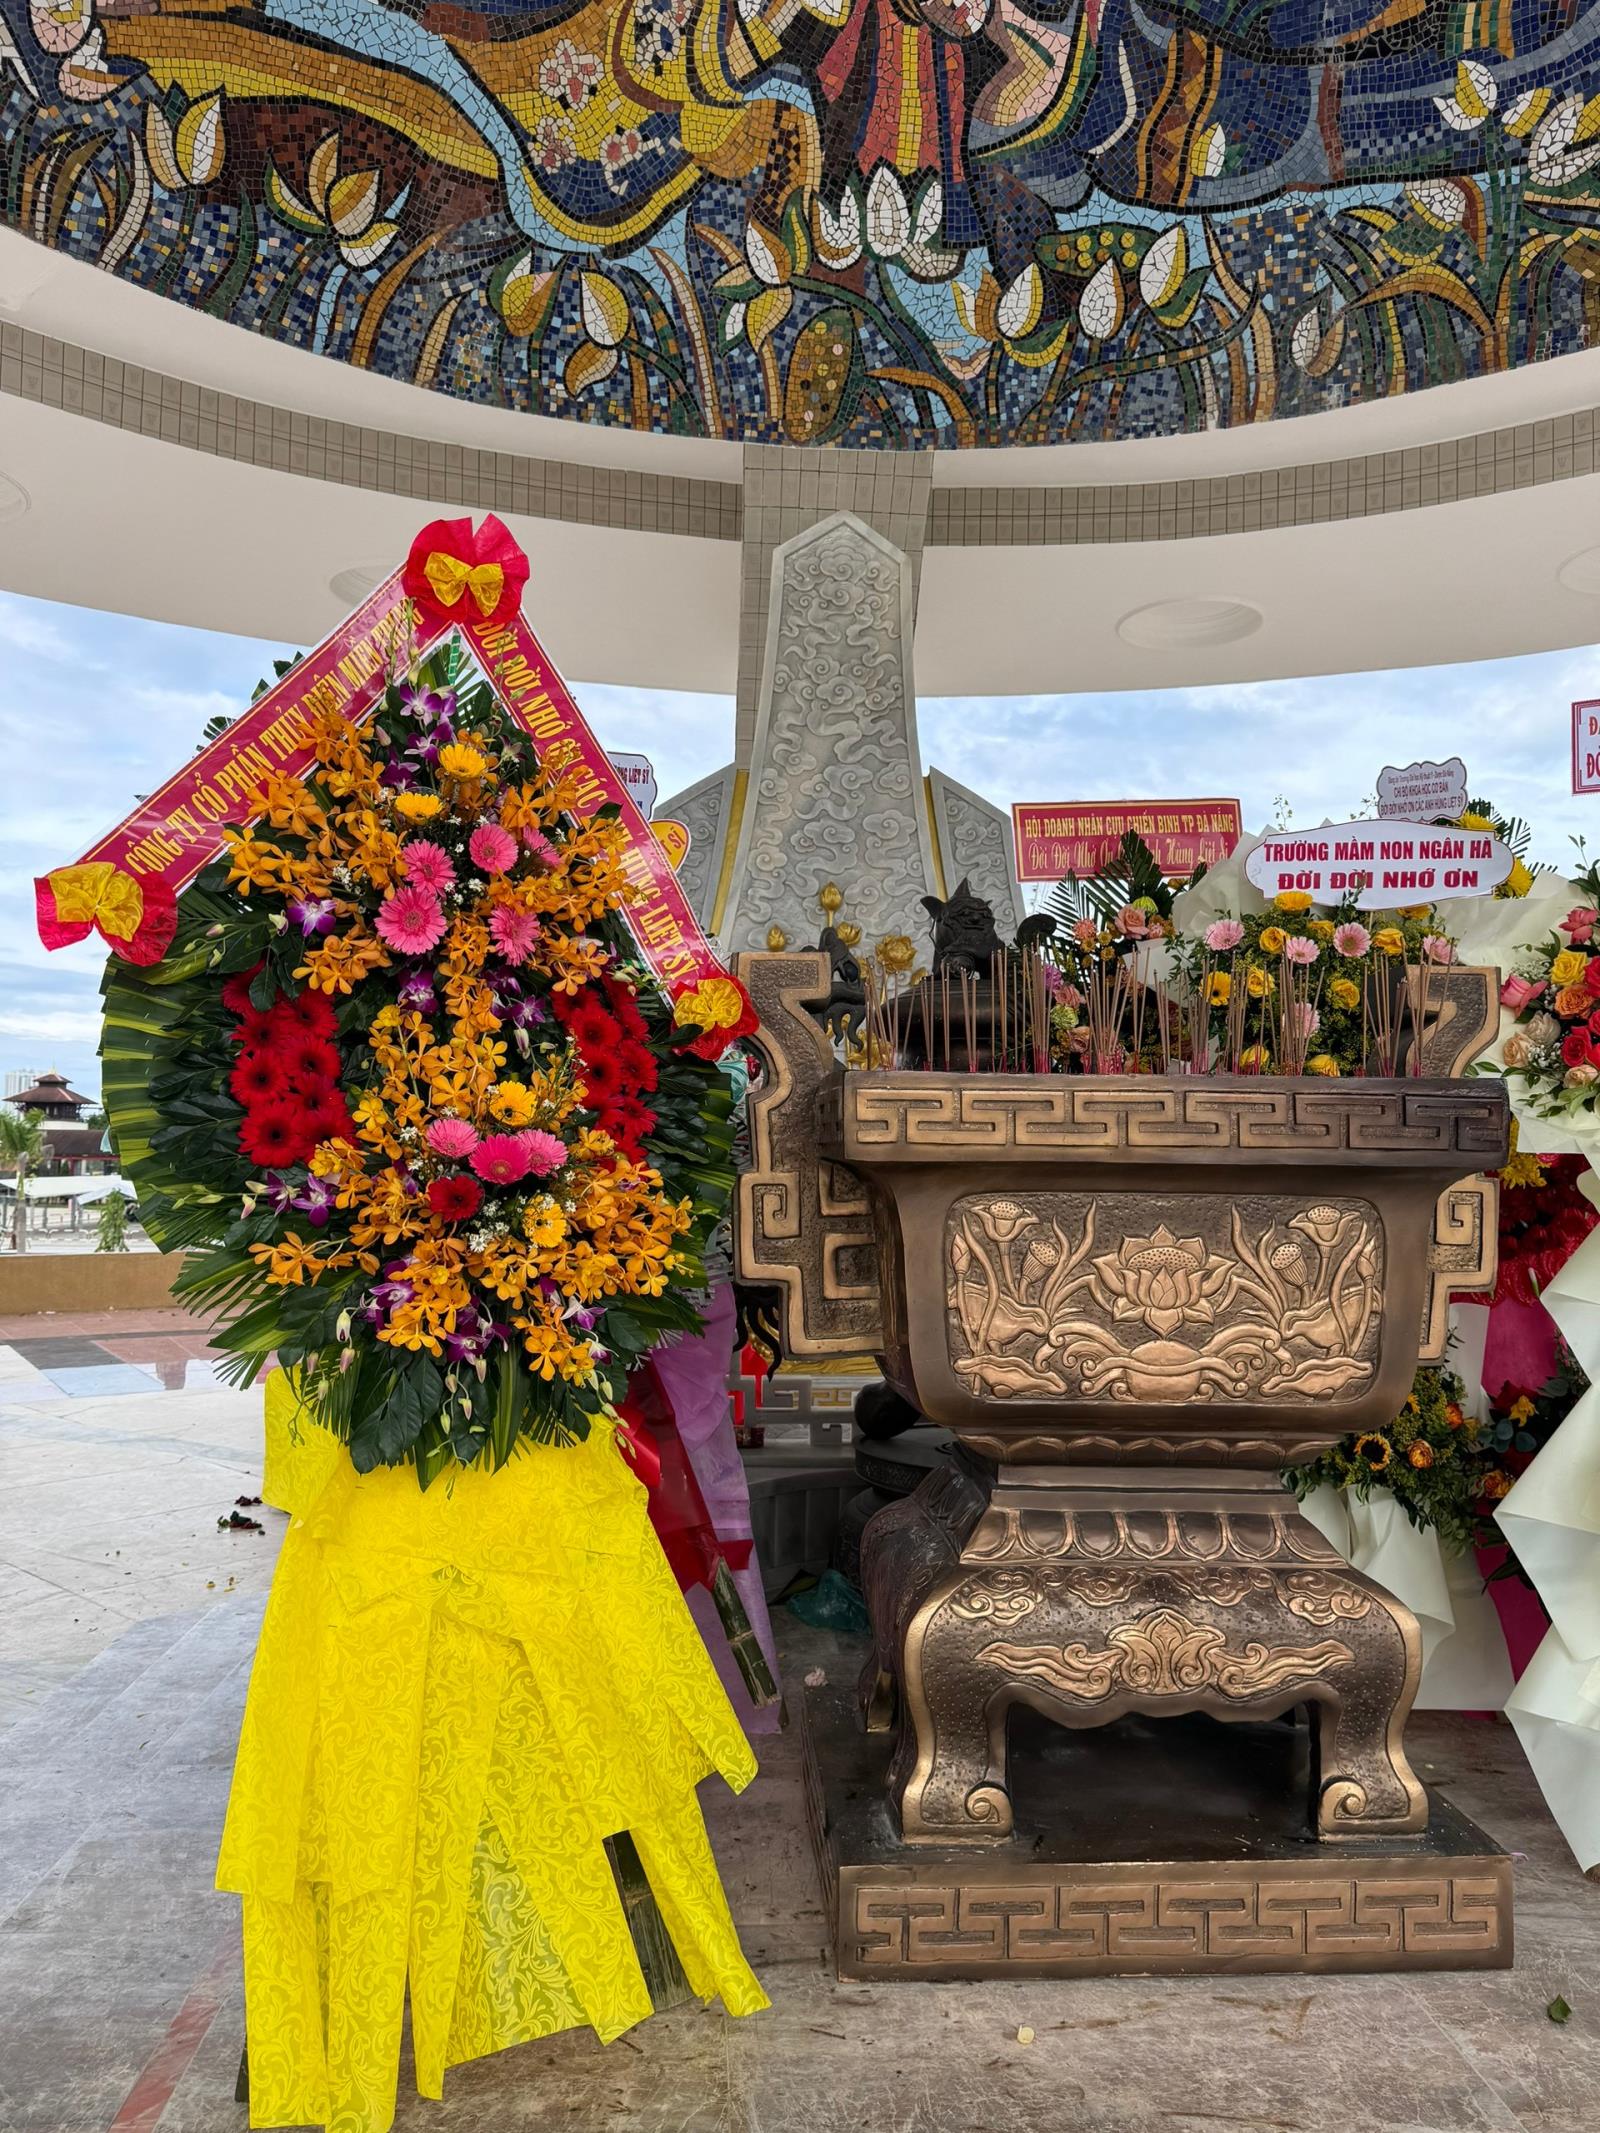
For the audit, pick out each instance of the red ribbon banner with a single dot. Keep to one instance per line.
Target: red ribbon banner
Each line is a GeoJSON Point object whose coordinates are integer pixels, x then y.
{"type": "Point", "coordinates": [134, 872]}
{"type": "Point", "coordinates": [524, 678]}
{"type": "Point", "coordinates": [456, 577]}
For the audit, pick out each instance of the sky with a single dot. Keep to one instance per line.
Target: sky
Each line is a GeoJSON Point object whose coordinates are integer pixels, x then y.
{"type": "Point", "coordinates": [97, 708]}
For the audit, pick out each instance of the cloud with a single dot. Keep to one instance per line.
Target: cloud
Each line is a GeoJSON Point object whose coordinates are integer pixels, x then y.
{"type": "Point", "coordinates": [25, 626]}
{"type": "Point", "coordinates": [59, 1026]}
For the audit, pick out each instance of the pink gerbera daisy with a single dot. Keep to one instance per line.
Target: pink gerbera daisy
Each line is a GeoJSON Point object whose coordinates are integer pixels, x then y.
{"type": "Point", "coordinates": [513, 931]}
{"type": "Point", "coordinates": [452, 1137]}
{"type": "Point", "coordinates": [411, 920]}
{"type": "Point", "coordinates": [493, 849]}
{"type": "Point", "coordinates": [500, 1158]}
{"type": "Point", "coordinates": [539, 847]}
{"type": "Point", "coordinates": [1352, 939]}
{"type": "Point", "coordinates": [428, 865]}
{"type": "Point", "coordinates": [545, 1151]}
{"type": "Point", "coordinates": [1223, 934]}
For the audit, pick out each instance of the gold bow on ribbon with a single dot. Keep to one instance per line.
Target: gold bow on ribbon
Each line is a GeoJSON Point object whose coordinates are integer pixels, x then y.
{"type": "Point", "coordinates": [101, 895]}
{"type": "Point", "coordinates": [449, 577]}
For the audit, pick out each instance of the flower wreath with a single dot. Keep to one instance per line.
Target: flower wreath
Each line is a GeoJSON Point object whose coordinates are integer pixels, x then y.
{"type": "Point", "coordinates": [424, 1127]}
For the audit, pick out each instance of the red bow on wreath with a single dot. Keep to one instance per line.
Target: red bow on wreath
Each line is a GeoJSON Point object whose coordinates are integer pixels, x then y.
{"type": "Point", "coordinates": [457, 574]}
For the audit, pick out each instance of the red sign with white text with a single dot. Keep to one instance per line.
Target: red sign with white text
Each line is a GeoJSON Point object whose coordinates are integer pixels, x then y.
{"type": "Point", "coordinates": [1081, 836]}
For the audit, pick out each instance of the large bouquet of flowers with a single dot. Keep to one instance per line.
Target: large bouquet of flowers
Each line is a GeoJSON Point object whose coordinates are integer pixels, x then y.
{"type": "Point", "coordinates": [425, 1129]}
{"type": "Point", "coordinates": [1294, 990]}
{"type": "Point", "coordinates": [1552, 1056]}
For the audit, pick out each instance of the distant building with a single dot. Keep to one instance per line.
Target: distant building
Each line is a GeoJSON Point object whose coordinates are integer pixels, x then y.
{"type": "Point", "coordinates": [79, 1151]}
{"type": "Point", "coordinates": [71, 1149]}
{"type": "Point", "coordinates": [52, 1099]}
{"type": "Point", "coordinates": [20, 1078]}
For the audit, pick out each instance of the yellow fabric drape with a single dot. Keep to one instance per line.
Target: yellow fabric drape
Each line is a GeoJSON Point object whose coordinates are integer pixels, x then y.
{"type": "Point", "coordinates": [457, 1696]}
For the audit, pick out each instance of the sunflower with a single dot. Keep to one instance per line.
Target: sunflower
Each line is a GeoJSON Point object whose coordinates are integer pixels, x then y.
{"type": "Point", "coordinates": [1375, 1449]}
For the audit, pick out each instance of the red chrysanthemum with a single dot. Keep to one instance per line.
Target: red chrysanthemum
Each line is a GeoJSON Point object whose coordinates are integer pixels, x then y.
{"type": "Point", "coordinates": [258, 1030]}
{"type": "Point", "coordinates": [629, 1123]}
{"type": "Point", "coordinates": [275, 1135]}
{"type": "Point", "coordinates": [259, 1078]}
{"type": "Point", "coordinates": [624, 1004]}
{"type": "Point", "coordinates": [313, 1061]}
{"type": "Point", "coordinates": [454, 1199]}
{"type": "Point", "coordinates": [236, 990]}
{"type": "Point", "coordinates": [640, 1069]}
{"type": "Point", "coordinates": [592, 1028]}
{"type": "Point", "coordinates": [310, 1012]}
{"type": "Point", "coordinates": [330, 1120]}
{"type": "Point", "coordinates": [603, 1079]}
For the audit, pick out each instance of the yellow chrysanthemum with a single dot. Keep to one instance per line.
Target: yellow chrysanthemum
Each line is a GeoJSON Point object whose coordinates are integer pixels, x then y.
{"type": "Point", "coordinates": [1292, 900]}
{"type": "Point", "coordinates": [457, 760]}
{"type": "Point", "coordinates": [418, 806]}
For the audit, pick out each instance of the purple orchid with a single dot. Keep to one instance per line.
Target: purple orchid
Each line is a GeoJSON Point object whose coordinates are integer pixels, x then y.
{"type": "Point", "coordinates": [313, 914]}
{"type": "Point", "coordinates": [417, 992]}
{"type": "Point", "coordinates": [523, 1014]}
{"type": "Point", "coordinates": [426, 706]}
{"type": "Point", "coordinates": [315, 1200]}
{"type": "Point", "coordinates": [474, 1333]}
{"type": "Point", "coordinates": [398, 775]}
{"type": "Point", "coordinates": [280, 1192]}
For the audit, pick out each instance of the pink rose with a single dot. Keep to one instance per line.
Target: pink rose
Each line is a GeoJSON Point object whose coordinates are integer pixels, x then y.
{"type": "Point", "coordinates": [1438, 949]}
{"type": "Point", "coordinates": [1516, 993]}
{"type": "Point", "coordinates": [1223, 934]}
{"type": "Point", "coordinates": [451, 1137]}
{"type": "Point", "coordinates": [1133, 922]}
{"type": "Point", "coordinates": [493, 849]}
{"type": "Point", "coordinates": [1579, 924]}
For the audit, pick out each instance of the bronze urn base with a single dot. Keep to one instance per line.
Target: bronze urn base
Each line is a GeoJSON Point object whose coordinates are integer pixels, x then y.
{"type": "Point", "coordinates": [1086, 1594]}
{"type": "Point", "coordinates": [1134, 1299]}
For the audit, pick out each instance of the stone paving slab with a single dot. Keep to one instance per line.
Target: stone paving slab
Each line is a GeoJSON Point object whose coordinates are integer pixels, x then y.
{"type": "Point", "coordinates": [112, 1791]}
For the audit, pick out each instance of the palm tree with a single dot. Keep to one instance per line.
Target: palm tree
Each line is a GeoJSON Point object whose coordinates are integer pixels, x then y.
{"type": "Point", "coordinates": [21, 1143]}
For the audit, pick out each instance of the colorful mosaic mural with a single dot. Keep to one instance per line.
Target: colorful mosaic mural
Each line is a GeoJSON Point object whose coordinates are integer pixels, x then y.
{"type": "Point", "coordinates": [864, 222]}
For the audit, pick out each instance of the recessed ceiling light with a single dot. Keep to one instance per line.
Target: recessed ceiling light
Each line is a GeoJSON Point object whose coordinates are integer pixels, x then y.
{"type": "Point", "coordinates": [1580, 573]}
{"type": "Point", "coordinates": [350, 587]}
{"type": "Point", "coordinates": [14, 499]}
{"type": "Point", "coordinates": [1179, 625]}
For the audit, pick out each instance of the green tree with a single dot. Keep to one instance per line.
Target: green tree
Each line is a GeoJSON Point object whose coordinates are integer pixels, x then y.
{"type": "Point", "coordinates": [111, 1225]}
{"type": "Point", "coordinates": [22, 1145]}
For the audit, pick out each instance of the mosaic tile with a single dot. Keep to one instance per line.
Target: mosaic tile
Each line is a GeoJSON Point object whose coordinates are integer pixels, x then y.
{"type": "Point", "coordinates": [858, 222]}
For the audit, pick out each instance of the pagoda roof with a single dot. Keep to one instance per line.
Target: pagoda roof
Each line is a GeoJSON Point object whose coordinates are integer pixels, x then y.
{"type": "Point", "coordinates": [49, 1092]}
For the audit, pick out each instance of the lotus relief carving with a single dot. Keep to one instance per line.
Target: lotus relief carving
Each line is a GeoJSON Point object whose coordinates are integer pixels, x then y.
{"type": "Point", "coordinates": [1267, 1299]}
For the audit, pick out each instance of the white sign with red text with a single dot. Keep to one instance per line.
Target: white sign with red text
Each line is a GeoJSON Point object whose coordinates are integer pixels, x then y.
{"type": "Point", "coordinates": [638, 773]}
{"type": "Point", "coordinates": [1379, 866]}
{"type": "Point", "coordinates": [1586, 745]}
{"type": "Point", "coordinates": [1422, 792]}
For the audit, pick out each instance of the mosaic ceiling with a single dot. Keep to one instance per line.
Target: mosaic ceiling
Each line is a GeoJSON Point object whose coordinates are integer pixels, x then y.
{"type": "Point", "coordinates": [862, 222]}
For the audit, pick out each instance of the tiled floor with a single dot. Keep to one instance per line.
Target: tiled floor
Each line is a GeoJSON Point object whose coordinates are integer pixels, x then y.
{"type": "Point", "coordinates": [126, 1627]}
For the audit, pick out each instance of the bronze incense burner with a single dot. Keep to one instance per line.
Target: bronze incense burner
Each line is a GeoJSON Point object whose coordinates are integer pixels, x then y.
{"type": "Point", "coordinates": [1133, 1299]}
